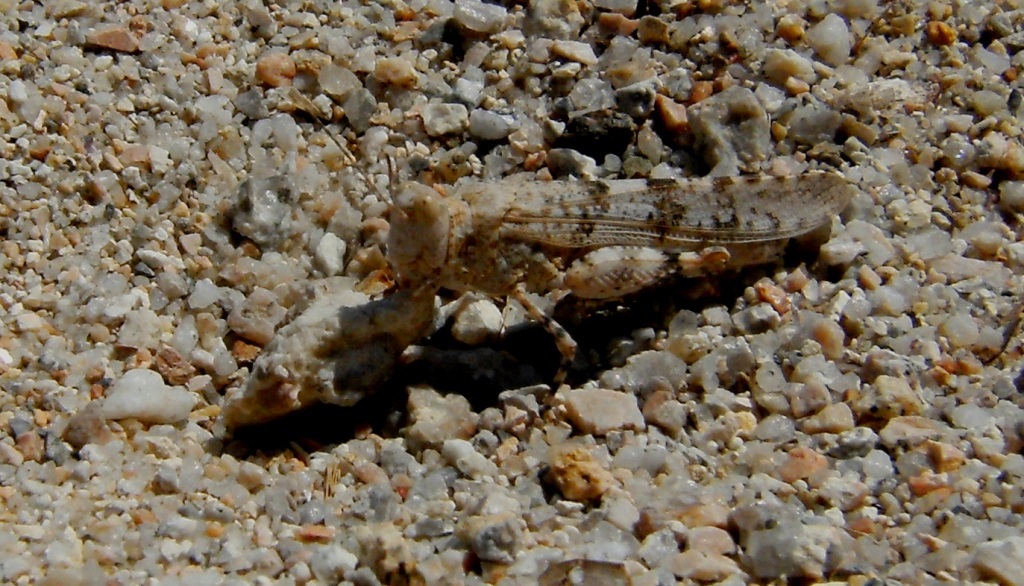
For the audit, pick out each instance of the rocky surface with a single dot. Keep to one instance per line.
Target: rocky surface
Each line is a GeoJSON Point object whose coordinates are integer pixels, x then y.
{"type": "Point", "coordinates": [173, 196]}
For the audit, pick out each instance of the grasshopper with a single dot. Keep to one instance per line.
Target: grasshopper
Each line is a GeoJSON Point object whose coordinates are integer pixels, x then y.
{"type": "Point", "coordinates": [592, 239]}
{"type": "Point", "coordinates": [598, 239]}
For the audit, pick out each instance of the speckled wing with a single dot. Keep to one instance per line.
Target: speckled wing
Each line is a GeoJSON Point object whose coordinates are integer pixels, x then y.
{"type": "Point", "coordinates": [674, 213]}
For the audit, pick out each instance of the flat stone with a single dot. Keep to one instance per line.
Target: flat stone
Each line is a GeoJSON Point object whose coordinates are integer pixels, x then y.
{"type": "Point", "coordinates": [115, 38]}
{"type": "Point", "coordinates": [599, 411]}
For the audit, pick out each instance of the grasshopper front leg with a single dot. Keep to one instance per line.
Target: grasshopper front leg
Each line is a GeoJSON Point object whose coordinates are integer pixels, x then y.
{"type": "Point", "coordinates": [563, 341]}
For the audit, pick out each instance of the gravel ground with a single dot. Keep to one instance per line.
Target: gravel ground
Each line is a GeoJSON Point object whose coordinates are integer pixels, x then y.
{"type": "Point", "coordinates": [173, 192]}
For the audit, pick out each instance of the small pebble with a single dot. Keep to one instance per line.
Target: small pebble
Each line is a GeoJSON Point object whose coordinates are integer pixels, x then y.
{"type": "Point", "coordinates": [574, 51]}
{"type": "Point", "coordinates": [477, 322]}
{"type": "Point", "coordinates": [142, 394]}
{"type": "Point", "coordinates": [441, 119]}
{"type": "Point", "coordinates": [396, 71]}
{"type": "Point", "coordinates": [940, 33]}
{"type": "Point", "coordinates": [830, 39]}
{"type": "Point", "coordinates": [577, 474]}
{"type": "Point", "coordinates": [479, 17]}
{"type": "Point", "coordinates": [114, 38]}
{"type": "Point", "coordinates": [600, 411]}
{"type": "Point", "coordinates": [275, 69]}
{"type": "Point", "coordinates": [462, 455]}
{"type": "Point", "coordinates": [801, 463]}
{"type": "Point", "coordinates": [435, 418]}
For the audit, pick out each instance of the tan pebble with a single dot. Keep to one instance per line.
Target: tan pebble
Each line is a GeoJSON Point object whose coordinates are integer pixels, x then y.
{"type": "Point", "coordinates": [779, 132]}
{"type": "Point", "coordinates": [791, 28]}
{"type": "Point", "coordinates": [208, 412]}
{"type": "Point", "coordinates": [975, 179]}
{"type": "Point", "coordinates": [712, 514]}
{"type": "Point", "coordinates": [97, 391]}
{"type": "Point", "coordinates": [945, 458]}
{"type": "Point", "coordinates": [866, 133]}
{"type": "Point", "coordinates": [11, 456]}
{"type": "Point", "coordinates": [831, 337]}
{"type": "Point", "coordinates": [835, 418]}
{"type": "Point", "coordinates": [575, 51]}
{"type": "Point", "coordinates": [652, 30]}
{"type": "Point", "coordinates": [7, 52]}
{"type": "Point", "coordinates": [903, 25]}
{"type": "Point", "coordinates": [142, 516]}
{"type": "Point", "coordinates": [173, 366]}
{"type": "Point", "coordinates": [710, 6]}
{"type": "Point", "coordinates": [926, 483]}
{"type": "Point", "coordinates": [672, 115]}
{"type": "Point", "coordinates": [99, 333]}
{"type": "Point", "coordinates": [990, 500]}
{"type": "Point", "coordinates": [214, 530]}
{"type": "Point", "coordinates": [969, 365]}
{"type": "Point", "coordinates": [617, 24]}
{"type": "Point", "coordinates": [773, 294]}
{"type": "Point", "coordinates": [801, 463]}
{"type": "Point", "coordinates": [40, 148]}
{"type": "Point", "coordinates": [95, 373]}
{"type": "Point", "coordinates": [369, 473]}
{"type": "Point", "coordinates": [702, 90]}
{"type": "Point", "coordinates": [116, 38]}
{"type": "Point", "coordinates": [796, 281]}
{"type": "Point", "coordinates": [910, 430]}
{"type": "Point", "coordinates": [600, 411]}
{"type": "Point", "coordinates": [135, 156]}
{"type": "Point", "coordinates": [940, 33]}
{"type": "Point", "coordinates": [868, 278]}
{"type": "Point", "coordinates": [31, 446]}
{"type": "Point", "coordinates": [396, 71]}
{"type": "Point", "coordinates": [143, 358]}
{"type": "Point", "coordinates": [244, 351]}
{"type": "Point", "coordinates": [1011, 74]}
{"type": "Point", "coordinates": [577, 474]}
{"type": "Point", "coordinates": [710, 540]}
{"type": "Point", "coordinates": [275, 69]}
{"type": "Point", "coordinates": [795, 86]}
{"type": "Point", "coordinates": [663, 410]}
{"type": "Point", "coordinates": [888, 397]}
{"type": "Point", "coordinates": [314, 533]}
{"type": "Point", "coordinates": [702, 566]}
{"type": "Point", "coordinates": [862, 526]}
{"type": "Point", "coordinates": [41, 417]}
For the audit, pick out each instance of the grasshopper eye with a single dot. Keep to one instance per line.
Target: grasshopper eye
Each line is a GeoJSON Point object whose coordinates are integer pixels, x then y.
{"type": "Point", "coordinates": [418, 239]}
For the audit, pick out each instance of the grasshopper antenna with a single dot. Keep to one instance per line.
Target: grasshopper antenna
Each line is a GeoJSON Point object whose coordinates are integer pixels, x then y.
{"type": "Point", "coordinates": [318, 115]}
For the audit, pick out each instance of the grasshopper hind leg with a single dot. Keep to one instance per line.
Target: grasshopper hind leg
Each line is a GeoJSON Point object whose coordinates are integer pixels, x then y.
{"type": "Point", "coordinates": [566, 345]}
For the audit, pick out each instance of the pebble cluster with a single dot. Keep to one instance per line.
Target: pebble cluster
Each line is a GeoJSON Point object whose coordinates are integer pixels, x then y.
{"type": "Point", "coordinates": [173, 196]}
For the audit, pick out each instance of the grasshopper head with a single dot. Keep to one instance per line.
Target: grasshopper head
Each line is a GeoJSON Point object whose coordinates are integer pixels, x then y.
{"type": "Point", "coordinates": [418, 239]}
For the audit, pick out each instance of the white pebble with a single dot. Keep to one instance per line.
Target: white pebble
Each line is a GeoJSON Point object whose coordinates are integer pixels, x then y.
{"type": "Point", "coordinates": [141, 394]}
{"type": "Point", "coordinates": [575, 51]}
{"type": "Point", "coordinates": [204, 294]}
{"type": "Point", "coordinates": [441, 119]}
{"type": "Point", "coordinates": [782, 64]}
{"type": "Point", "coordinates": [476, 323]}
{"type": "Point", "coordinates": [487, 125]}
{"type": "Point", "coordinates": [830, 39]}
{"type": "Point", "coordinates": [330, 255]}
{"type": "Point", "coordinates": [479, 16]}
{"type": "Point", "coordinates": [599, 411]}
{"type": "Point", "coordinates": [462, 455]}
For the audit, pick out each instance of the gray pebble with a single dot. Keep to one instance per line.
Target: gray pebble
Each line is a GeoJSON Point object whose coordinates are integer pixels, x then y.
{"type": "Point", "coordinates": [730, 131]}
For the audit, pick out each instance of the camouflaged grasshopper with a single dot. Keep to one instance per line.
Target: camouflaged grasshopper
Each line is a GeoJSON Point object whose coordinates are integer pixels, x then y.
{"type": "Point", "coordinates": [598, 239]}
